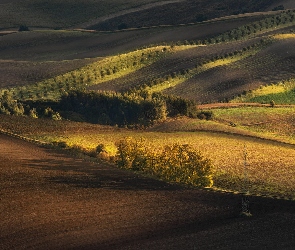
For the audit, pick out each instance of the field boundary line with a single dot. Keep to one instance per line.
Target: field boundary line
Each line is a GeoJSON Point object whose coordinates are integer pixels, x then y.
{"type": "Point", "coordinates": [35, 141]}
{"type": "Point", "coordinates": [92, 159]}
{"type": "Point", "coordinates": [228, 191]}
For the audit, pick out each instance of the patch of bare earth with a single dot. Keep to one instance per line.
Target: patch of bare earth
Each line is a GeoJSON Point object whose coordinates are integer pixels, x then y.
{"type": "Point", "coordinates": [50, 200]}
{"type": "Point", "coordinates": [128, 11]}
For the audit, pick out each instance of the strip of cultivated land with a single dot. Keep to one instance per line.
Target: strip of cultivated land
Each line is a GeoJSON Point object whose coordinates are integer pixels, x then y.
{"type": "Point", "coordinates": [51, 200]}
{"type": "Point", "coordinates": [218, 140]}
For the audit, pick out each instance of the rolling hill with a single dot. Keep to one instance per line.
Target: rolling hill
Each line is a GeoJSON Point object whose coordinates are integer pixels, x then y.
{"type": "Point", "coordinates": [108, 15]}
{"type": "Point", "coordinates": [217, 60]}
{"type": "Point", "coordinates": [239, 53]}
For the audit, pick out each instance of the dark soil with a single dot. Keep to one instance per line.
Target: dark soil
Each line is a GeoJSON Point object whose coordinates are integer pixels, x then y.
{"type": "Point", "coordinates": [50, 200]}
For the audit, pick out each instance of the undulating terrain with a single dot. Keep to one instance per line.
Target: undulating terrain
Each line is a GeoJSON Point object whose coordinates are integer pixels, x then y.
{"type": "Point", "coordinates": [77, 78]}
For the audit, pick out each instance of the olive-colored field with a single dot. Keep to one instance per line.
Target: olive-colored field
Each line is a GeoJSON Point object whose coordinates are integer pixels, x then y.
{"type": "Point", "coordinates": [217, 140]}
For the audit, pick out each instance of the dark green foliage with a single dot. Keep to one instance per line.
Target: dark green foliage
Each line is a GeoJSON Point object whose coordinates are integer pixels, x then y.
{"type": "Point", "coordinates": [207, 115]}
{"type": "Point", "coordinates": [23, 28]}
{"type": "Point", "coordinates": [179, 106]}
{"type": "Point", "coordinates": [10, 106]}
{"type": "Point", "coordinates": [114, 108]}
{"type": "Point", "coordinates": [132, 108]}
{"type": "Point", "coordinates": [280, 7]}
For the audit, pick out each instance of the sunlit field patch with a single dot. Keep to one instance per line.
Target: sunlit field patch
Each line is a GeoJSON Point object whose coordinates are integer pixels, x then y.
{"type": "Point", "coordinates": [279, 93]}
{"type": "Point", "coordinates": [270, 164]}
{"type": "Point", "coordinates": [277, 123]}
{"type": "Point", "coordinates": [284, 36]}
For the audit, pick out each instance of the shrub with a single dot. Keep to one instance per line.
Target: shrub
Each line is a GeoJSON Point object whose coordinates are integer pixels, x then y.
{"type": "Point", "coordinates": [60, 144]}
{"type": "Point", "coordinates": [208, 115]}
{"type": "Point", "coordinates": [33, 113]}
{"type": "Point", "coordinates": [23, 28]}
{"type": "Point", "coordinates": [175, 163]}
{"type": "Point", "coordinates": [100, 148]}
{"type": "Point", "coordinates": [122, 26]}
{"type": "Point", "coordinates": [131, 154]}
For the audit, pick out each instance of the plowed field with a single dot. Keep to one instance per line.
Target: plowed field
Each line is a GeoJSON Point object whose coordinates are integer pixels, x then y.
{"type": "Point", "coordinates": [50, 200]}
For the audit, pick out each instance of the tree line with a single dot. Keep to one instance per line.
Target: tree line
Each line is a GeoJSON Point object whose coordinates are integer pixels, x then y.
{"type": "Point", "coordinates": [125, 109]}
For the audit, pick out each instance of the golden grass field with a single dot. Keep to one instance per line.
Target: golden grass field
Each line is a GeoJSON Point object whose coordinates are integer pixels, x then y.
{"type": "Point", "coordinates": [270, 155]}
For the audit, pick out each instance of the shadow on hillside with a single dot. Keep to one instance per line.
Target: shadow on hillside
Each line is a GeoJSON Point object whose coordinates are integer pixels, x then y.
{"type": "Point", "coordinates": [85, 174]}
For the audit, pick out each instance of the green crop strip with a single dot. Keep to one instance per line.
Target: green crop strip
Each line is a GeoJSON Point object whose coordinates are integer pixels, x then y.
{"type": "Point", "coordinates": [101, 71]}
{"type": "Point", "coordinates": [279, 93]}
{"type": "Point", "coordinates": [181, 77]}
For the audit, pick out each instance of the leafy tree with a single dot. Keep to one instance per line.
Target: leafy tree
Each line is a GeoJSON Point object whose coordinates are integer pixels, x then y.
{"type": "Point", "coordinates": [33, 113]}
{"type": "Point", "coordinates": [201, 18]}
{"type": "Point", "coordinates": [175, 163]}
{"type": "Point", "coordinates": [122, 26]}
{"type": "Point", "coordinates": [280, 7]}
{"type": "Point", "coordinates": [23, 28]}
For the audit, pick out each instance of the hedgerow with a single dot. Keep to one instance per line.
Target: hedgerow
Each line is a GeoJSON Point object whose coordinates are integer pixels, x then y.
{"type": "Point", "coordinates": [124, 109]}
{"type": "Point", "coordinates": [175, 163]}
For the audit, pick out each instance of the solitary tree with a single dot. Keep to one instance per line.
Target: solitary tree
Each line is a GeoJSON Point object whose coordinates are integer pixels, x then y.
{"type": "Point", "coordinates": [23, 28]}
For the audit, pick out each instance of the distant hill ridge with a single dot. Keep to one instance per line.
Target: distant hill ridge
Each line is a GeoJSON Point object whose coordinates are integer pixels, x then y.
{"type": "Point", "coordinates": [112, 15]}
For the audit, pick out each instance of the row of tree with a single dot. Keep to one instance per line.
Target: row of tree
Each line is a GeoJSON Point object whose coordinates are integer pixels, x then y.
{"type": "Point", "coordinates": [11, 106]}
{"type": "Point", "coordinates": [123, 109]}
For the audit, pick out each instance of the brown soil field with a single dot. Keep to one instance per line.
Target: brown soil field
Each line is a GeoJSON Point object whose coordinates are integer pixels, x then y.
{"type": "Point", "coordinates": [107, 15]}
{"type": "Point", "coordinates": [36, 47]}
{"type": "Point", "coordinates": [55, 201]}
{"type": "Point", "coordinates": [270, 65]}
{"type": "Point", "coordinates": [175, 12]}
{"type": "Point", "coordinates": [68, 45]}
{"type": "Point", "coordinates": [125, 12]}
{"type": "Point", "coordinates": [16, 73]}
{"type": "Point", "coordinates": [288, 4]}
{"type": "Point", "coordinates": [181, 60]}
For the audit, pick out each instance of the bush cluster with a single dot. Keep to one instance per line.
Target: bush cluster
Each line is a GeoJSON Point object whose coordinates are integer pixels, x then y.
{"type": "Point", "coordinates": [132, 108]}
{"type": "Point", "coordinates": [11, 106]}
{"type": "Point", "coordinates": [175, 163]}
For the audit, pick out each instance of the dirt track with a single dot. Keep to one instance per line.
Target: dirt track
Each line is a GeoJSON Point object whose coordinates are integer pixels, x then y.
{"type": "Point", "coordinates": [49, 200]}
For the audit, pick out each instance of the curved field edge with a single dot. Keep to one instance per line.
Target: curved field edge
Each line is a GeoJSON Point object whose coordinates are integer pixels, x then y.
{"type": "Point", "coordinates": [78, 13]}
{"type": "Point", "coordinates": [273, 176]}
{"type": "Point", "coordinates": [106, 73]}
{"type": "Point", "coordinates": [95, 73]}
